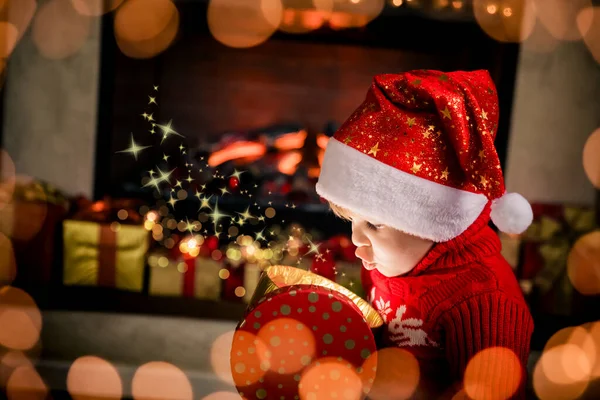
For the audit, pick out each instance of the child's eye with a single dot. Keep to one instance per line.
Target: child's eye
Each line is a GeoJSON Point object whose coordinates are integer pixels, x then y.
{"type": "Point", "coordinates": [372, 227]}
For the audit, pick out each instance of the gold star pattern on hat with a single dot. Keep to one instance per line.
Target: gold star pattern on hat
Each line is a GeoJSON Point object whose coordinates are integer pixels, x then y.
{"type": "Point", "coordinates": [374, 149]}
{"type": "Point", "coordinates": [483, 181]}
{"type": "Point", "coordinates": [446, 113]}
{"type": "Point", "coordinates": [445, 174]}
{"type": "Point", "coordinates": [416, 167]}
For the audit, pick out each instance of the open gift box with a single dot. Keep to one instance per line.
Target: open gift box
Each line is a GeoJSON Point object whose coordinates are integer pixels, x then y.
{"type": "Point", "coordinates": [298, 327]}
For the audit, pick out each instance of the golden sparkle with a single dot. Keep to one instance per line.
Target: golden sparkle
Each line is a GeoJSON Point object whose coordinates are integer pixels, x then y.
{"type": "Point", "coordinates": [168, 130]}
{"type": "Point", "coordinates": [134, 148]}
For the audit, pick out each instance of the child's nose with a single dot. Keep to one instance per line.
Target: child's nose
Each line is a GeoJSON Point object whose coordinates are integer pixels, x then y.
{"type": "Point", "coordinates": [358, 237]}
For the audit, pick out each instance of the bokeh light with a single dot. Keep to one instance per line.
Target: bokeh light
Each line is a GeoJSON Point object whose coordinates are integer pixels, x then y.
{"type": "Point", "coordinates": [550, 378]}
{"type": "Point", "coordinates": [243, 23]}
{"type": "Point", "coordinates": [8, 264]}
{"type": "Point", "coordinates": [95, 7]}
{"type": "Point", "coordinates": [58, 30]}
{"type": "Point", "coordinates": [145, 28]}
{"type": "Point", "coordinates": [160, 380]}
{"type": "Point", "coordinates": [290, 342]}
{"type": "Point", "coordinates": [582, 339]}
{"type": "Point", "coordinates": [92, 378]}
{"type": "Point", "coordinates": [396, 373]}
{"type": "Point", "coordinates": [301, 16]}
{"type": "Point", "coordinates": [559, 17]}
{"type": "Point", "coordinates": [22, 220]}
{"type": "Point", "coordinates": [20, 319]}
{"type": "Point", "coordinates": [330, 379]}
{"type": "Point", "coordinates": [20, 13]}
{"type": "Point", "coordinates": [8, 38]}
{"type": "Point", "coordinates": [219, 356]}
{"type": "Point", "coordinates": [540, 40]}
{"type": "Point", "coordinates": [567, 363]}
{"type": "Point", "coordinates": [588, 23]}
{"type": "Point", "coordinates": [26, 384]}
{"type": "Point", "coordinates": [493, 374]}
{"type": "Point", "coordinates": [250, 358]}
{"type": "Point", "coordinates": [513, 21]}
{"type": "Point", "coordinates": [355, 14]}
{"type": "Point", "coordinates": [593, 330]}
{"type": "Point", "coordinates": [10, 361]}
{"type": "Point", "coordinates": [576, 335]}
{"type": "Point", "coordinates": [7, 178]}
{"type": "Point", "coordinates": [583, 264]}
{"type": "Point", "coordinates": [591, 149]}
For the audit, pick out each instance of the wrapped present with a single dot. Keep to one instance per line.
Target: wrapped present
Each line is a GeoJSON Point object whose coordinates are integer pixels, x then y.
{"type": "Point", "coordinates": [31, 215]}
{"type": "Point", "coordinates": [196, 277]}
{"type": "Point", "coordinates": [239, 280]}
{"type": "Point", "coordinates": [545, 249]}
{"type": "Point", "coordinates": [300, 329]}
{"type": "Point", "coordinates": [105, 244]}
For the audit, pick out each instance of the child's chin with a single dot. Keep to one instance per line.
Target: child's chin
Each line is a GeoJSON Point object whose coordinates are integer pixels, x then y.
{"type": "Point", "coordinates": [388, 274]}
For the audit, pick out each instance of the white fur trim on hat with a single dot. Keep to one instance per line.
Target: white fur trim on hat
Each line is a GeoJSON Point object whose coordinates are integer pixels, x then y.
{"type": "Point", "coordinates": [387, 195]}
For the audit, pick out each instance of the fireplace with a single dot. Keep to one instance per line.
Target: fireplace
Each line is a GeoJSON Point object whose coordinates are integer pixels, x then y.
{"type": "Point", "coordinates": [300, 83]}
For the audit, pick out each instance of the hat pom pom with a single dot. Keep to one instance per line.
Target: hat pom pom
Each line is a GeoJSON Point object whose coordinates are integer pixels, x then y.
{"type": "Point", "coordinates": [511, 213]}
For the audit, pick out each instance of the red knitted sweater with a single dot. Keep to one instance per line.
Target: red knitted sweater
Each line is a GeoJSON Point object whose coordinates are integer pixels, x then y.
{"type": "Point", "coordinates": [461, 298]}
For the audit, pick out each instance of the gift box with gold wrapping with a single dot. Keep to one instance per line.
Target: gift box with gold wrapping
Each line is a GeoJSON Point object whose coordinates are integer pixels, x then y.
{"type": "Point", "coordinates": [31, 214]}
{"type": "Point", "coordinates": [298, 328]}
{"type": "Point", "coordinates": [105, 244]}
{"type": "Point", "coordinates": [196, 277]}
{"type": "Point", "coordinates": [545, 250]}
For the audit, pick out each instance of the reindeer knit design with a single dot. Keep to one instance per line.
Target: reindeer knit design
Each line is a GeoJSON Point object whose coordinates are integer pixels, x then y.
{"type": "Point", "coordinates": [407, 332]}
{"type": "Point", "coordinates": [460, 299]}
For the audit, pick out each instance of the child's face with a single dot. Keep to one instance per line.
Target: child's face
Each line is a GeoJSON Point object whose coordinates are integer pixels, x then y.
{"type": "Point", "coordinates": [389, 250]}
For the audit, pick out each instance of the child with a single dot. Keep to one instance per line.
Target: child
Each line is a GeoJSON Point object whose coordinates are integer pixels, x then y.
{"type": "Point", "coordinates": [415, 170]}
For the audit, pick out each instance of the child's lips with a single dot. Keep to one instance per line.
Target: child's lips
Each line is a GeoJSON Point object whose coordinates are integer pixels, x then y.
{"type": "Point", "coordinates": [368, 266]}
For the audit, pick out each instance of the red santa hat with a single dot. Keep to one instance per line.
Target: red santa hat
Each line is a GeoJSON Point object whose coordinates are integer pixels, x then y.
{"type": "Point", "coordinates": [419, 155]}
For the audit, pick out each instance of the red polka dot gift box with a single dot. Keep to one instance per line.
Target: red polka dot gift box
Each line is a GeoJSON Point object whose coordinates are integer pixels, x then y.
{"type": "Point", "coordinates": [304, 337]}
